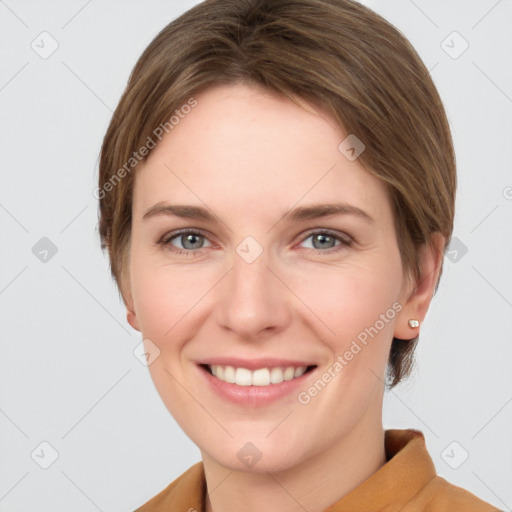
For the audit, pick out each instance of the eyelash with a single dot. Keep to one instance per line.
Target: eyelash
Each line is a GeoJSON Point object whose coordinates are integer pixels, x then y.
{"type": "Point", "coordinates": [346, 241]}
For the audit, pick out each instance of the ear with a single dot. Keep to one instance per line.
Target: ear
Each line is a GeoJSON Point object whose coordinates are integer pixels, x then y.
{"type": "Point", "coordinates": [416, 295]}
{"type": "Point", "coordinates": [131, 316]}
{"type": "Point", "coordinates": [126, 293]}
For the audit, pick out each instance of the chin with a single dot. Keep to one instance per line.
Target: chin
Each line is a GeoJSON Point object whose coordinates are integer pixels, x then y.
{"type": "Point", "coordinates": [249, 457]}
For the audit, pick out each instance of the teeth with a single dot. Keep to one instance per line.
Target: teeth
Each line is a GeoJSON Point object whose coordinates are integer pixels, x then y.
{"type": "Point", "coordinates": [243, 377]}
{"type": "Point", "coordinates": [259, 377]}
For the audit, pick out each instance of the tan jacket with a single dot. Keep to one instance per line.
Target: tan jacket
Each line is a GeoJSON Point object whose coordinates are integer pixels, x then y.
{"type": "Point", "coordinates": [406, 483]}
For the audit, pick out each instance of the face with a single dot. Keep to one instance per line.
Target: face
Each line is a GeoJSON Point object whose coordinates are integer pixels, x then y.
{"type": "Point", "coordinates": [256, 274]}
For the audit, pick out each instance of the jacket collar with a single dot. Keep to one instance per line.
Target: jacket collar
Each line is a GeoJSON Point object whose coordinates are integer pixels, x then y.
{"type": "Point", "coordinates": [409, 468]}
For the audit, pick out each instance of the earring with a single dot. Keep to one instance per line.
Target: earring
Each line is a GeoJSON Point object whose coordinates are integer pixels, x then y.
{"type": "Point", "coordinates": [413, 323]}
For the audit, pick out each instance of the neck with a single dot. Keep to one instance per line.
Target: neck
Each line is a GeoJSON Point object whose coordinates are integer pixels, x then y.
{"type": "Point", "coordinates": [313, 484]}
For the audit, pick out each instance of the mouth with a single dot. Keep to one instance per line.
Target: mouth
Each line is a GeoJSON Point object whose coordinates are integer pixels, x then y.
{"type": "Point", "coordinates": [260, 377]}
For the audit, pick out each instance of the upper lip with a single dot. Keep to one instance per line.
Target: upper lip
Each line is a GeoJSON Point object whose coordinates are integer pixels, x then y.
{"type": "Point", "coordinates": [254, 364]}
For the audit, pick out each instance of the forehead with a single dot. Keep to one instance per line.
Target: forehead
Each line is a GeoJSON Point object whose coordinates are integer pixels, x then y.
{"type": "Point", "coordinates": [242, 148]}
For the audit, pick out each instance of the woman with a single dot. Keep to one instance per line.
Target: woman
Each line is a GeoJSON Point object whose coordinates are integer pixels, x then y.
{"type": "Point", "coordinates": [277, 188]}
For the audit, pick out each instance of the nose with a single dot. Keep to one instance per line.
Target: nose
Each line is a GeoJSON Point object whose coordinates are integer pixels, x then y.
{"type": "Point", "coordinates": [252, 301]}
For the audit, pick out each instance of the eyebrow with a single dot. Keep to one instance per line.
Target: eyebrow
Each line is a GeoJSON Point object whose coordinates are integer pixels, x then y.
{"type": "Point", "coordinates": [314, 211]}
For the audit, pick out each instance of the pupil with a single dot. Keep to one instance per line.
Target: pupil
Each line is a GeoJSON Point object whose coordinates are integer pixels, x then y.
{"type": "Point", "coordinates": [190, 238]}
{"type": "Point", "coordinates": [322, 238]}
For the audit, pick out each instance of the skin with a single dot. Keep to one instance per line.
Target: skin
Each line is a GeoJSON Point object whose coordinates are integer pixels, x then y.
{"type": "Point", "coordinates": [250, 156]}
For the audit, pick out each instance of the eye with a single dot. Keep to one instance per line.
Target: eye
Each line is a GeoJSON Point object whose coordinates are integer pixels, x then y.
{"type": "Point", "coordinates": [325, 241]}
{"type": "Point", "coordinates": [191, 241]}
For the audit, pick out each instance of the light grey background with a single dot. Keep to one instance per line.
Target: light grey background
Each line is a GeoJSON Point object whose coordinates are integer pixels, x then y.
{"type": "Point", "coordinates": [68, 373]}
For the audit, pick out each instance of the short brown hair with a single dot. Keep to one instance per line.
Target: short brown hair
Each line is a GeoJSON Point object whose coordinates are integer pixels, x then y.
{"type": "Point", "coordinates": [336, 54]}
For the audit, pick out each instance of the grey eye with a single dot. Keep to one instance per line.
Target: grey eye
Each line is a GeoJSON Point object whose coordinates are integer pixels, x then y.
{"type": "Point", "coordinates": [322, 241]}
{"type": "Point", "coordinates": [189, 241]}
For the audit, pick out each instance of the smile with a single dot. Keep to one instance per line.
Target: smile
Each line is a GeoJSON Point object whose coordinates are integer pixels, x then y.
{"type": "Point", "coordinates": [258, 377]}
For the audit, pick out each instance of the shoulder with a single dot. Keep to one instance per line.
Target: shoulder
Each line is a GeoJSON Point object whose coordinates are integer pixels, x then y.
{"type": "Point", "coordinates": [439, 495]}
{"type": "Point", "coordinates": [186, 493]}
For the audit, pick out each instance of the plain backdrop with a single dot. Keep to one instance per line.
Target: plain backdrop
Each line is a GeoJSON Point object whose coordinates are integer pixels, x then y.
{"type": "Point", "coordinates": [74, 398]}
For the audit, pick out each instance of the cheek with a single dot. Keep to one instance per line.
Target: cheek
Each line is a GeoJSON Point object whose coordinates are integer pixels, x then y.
{"type": "Point", "coordinates": [166, 301]}
{"type": "Point", "coordinates": [351, 298]}
{"type": "Point", "coordinates": [358, 303]}
{"type": "Point", "coordinates": [165, 297]}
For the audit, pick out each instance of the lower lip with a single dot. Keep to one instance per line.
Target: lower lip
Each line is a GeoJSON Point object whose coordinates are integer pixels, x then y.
{"type": "Point", "coordinates": [254, 395]}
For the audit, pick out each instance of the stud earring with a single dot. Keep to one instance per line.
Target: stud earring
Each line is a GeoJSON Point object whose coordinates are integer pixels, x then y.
{"type": "Point", "coordinates": [413, 323]}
